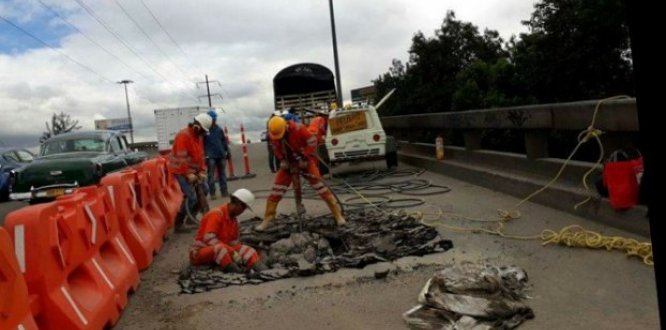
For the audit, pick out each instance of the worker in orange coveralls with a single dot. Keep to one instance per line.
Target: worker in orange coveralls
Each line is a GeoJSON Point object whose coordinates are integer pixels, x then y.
{"type": "Point", "coordinates": [294, 147]}
{"type": "Point", "coordinates": [317, 127]}
{"type": "Point", "coordinates": [217, 240]}
{"type": "Point", "coordinates": [187, 162]}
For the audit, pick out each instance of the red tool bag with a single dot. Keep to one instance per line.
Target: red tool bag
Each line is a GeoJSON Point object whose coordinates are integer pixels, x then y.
{"type": "Point", "coordinates": [622, 177]}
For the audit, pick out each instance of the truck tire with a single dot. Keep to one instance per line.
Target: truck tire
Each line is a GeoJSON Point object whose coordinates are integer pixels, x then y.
{"type": "Point", "coordinates": [391, 152]}
{"type": "Point", "coordinates": [391, 159]}
{"type": "Point", "coordinates": [322, 155]}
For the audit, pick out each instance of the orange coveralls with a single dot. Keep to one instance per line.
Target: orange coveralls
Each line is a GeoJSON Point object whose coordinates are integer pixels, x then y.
{"type": "Point", "coordinates": [187, 153]}
{"type": "Point", "coordinates": [298, 143]}
{"type": "Point", "coordinates": [318, 128]}
{"type": "Point", "coordinates": [217, 241]}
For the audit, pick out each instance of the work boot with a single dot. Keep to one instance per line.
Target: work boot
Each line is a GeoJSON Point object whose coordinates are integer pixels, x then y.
{"type": "Point", "coordinates": [180, 225]}
{"type": "Point", "coordinates": [259, 266]}
{"type": "Point", "coordinates": [269, 216]}
{"type": "Point", "coordinates": [335, 210]}
{"type": "Point", "coordinates": [233, 268]}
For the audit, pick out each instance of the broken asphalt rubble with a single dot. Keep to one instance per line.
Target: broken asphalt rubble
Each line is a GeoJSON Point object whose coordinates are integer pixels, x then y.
{"type": "Point", "coordinates": [472, 296]}
{"type": "Point", "coordinates": [370, 236]}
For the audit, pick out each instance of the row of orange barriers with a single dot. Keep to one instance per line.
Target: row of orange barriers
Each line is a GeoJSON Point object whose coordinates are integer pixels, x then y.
{"type": "Point", "coordinates": [71, 263]}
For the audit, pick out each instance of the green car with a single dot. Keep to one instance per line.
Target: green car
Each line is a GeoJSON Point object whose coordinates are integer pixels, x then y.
{"type": "Point", "coordinates": [71, 160]}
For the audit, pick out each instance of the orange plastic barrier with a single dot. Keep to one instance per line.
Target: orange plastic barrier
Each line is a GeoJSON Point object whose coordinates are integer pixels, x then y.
{"type": "Point", "coordinates": [113, 256]}
{"type": "Point", "coordinates": [61, 265]}
{"type": "Point", "coordinates": [143, 238]}
{"type": "Point", "coordinates": [152, 196]}
{"type": "Point", "coordinates": [173, 196]}
{"type": "Point", "coordinates": [15, 310]}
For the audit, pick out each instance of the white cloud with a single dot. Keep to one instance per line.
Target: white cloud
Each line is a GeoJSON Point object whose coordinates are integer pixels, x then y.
{"type": "Point", "coordinates": [241, 44]}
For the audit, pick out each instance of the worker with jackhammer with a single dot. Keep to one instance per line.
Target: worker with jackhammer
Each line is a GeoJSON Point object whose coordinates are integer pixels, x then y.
{"type": "Point", "coordinates": [187, 163]}
{"type": "Point", "coordinates": [217, 240]}
{"type": "Point", "coordinates": [294, 147]}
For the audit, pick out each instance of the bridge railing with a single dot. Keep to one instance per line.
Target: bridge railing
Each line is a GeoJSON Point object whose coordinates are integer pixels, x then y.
{"type": "Point", "coordinates": [617, 119]}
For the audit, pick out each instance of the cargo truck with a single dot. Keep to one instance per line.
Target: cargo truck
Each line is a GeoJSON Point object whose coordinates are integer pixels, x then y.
{"type": "Point", "coordinates": [168, 122]}
{"type": "Point", "coordinates": [353, 135]}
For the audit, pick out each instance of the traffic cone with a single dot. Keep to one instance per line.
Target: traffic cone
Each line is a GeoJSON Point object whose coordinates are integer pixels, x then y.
{"type": "Point", "coordinates": [230, 162]}
{"type": "Point", "coordinates": [246, 159]}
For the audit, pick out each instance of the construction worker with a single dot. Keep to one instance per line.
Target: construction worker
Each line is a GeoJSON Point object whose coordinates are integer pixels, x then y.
{"type": "Point", "coordinates": [186, 161]}
{"type": "Point", "coordinates": [291, 114]}
{"type": "Point", "coordinates": [317, 127]}
{"type": "Point", "coordinates": [217, 152]}
{"type": "Point", "coordinates": [217, 240]}
{"type": "Point", "coordinates": [294, 147]}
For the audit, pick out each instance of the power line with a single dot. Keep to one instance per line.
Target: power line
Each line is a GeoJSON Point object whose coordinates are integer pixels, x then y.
{"type": "Point", "coordinates": [91, 40]}
{"type": "Point", "coordinates": [100, 21]}
{"type": "Point", "coordinates": [170, 37]}
{"type": "Point", "coordinates": [167, 57]}
{"type": "Point", "coordinates": [55, 50]}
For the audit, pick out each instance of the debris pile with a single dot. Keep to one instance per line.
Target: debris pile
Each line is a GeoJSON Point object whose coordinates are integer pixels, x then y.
{"type": "Point", "coordinates": [370, 236]}
{"type": "Point", "coordinates": [472, 296]}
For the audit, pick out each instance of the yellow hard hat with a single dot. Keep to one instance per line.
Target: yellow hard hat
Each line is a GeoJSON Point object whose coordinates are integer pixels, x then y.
{"type": "Point", "coordinates": [276, 127]}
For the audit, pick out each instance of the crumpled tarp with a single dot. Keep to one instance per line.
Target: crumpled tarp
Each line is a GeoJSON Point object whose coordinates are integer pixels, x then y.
{"type": "Point", "coordinates": [370, 236]}
{"type": "Point", "coordinates": [472, 296]}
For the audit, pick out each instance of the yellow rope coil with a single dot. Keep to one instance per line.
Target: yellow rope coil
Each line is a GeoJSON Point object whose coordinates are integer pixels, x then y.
{"type": "Point", "coordinates": [577, 236]}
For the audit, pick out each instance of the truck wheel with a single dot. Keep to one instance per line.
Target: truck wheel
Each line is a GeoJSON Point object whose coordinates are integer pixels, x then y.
{"type": "Point", "coordinates": [391, 159]}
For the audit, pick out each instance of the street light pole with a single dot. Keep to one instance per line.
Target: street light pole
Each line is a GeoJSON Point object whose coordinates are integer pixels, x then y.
{"type": "Point", "coordinates": [335, 55]}
{"type": "Point", "coordinates": [129, 115]}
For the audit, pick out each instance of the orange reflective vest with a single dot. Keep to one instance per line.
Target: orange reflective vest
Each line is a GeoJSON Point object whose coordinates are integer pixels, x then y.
{"type": "Point", "coordinates": [187, 153]}
{"type": "Point", "coordinates": [217, 226]}
{"type": "Point", "coordinates": [298, 142]}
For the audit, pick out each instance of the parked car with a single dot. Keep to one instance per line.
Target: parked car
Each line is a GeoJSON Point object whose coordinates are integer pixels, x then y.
{"type": "Point", "coordinates": [11, 158]}
{"type": "Point", "coordinates": [71, 160]}
{"type": "Point", "coordinates": [264, 136]}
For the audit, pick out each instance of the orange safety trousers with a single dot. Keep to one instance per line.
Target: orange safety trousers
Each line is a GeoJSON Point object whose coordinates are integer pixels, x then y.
{"type": "Point", "coordinates": [283, 181]}
{"type": "Point", "coordinates": [223, 254]}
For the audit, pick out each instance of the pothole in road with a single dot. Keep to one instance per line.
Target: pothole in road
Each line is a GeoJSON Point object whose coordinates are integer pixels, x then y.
{"type": "Point", "coordinates": [370, 236]}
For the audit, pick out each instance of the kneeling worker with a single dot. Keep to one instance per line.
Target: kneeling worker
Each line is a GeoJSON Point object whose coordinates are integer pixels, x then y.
{"type": "Point", "coordinates": [217, 240]}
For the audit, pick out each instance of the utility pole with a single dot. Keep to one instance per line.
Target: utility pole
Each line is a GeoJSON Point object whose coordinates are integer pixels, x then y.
{"type": "Point", "coordinates": [210, 103]}
{"type": "Point", "coordinates": [129, 115]}
{"type": "Point", "coordinates": [335, 55]}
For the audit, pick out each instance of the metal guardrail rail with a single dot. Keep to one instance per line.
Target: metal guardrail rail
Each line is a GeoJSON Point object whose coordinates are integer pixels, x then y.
{"type": "Point", "coordinates": [615, 118]}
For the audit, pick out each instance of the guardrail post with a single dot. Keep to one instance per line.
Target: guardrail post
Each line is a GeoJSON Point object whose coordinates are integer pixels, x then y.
{"type": "Point", "coordinates": [536, 144]}
{"type": "Point", "coordinates": [472, 139]}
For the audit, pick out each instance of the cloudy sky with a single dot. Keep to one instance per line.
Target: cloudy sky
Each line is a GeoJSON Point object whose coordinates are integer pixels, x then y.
{"type": "Point", "coordinates": [86, 46]}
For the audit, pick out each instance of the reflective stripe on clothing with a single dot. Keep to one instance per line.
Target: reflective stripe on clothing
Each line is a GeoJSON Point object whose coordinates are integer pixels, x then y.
{"type": "Point", "coordinates": [217, 240]}
{"type": "Point", "coordinates": [297, 143]}
{"type": "Point", "coordinates": [187, 154]}
{"type": "Point", "coordinates": [283, 179]}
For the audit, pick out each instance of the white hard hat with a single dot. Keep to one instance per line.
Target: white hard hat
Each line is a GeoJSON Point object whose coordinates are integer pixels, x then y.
{"type": "Point", "coordinates": [204, 120]}
{"type": "Point", "coordinates": [245, 196]}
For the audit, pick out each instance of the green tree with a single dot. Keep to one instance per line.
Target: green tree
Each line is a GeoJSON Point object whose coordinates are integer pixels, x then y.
{"type": "Point", "coordinates": [428, 82]}
{"type": "Point", "coordinates": [576, 49]}
{"type": "Point", "coordinates": [60, 123]}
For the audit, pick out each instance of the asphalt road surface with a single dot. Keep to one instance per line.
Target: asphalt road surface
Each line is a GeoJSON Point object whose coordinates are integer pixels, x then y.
{"type": "Point", "coordinates": [570, 288]}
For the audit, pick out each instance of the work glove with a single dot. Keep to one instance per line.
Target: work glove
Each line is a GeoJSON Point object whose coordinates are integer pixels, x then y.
{"type": "Point", "coordinates": [284, 165]}
{"type": "Point", "coordinates": [303, 164]}
{"type": "Point", "coordinates": [202, 176]}
{"type": "Point", "coordinates": [191, 177]}
{"type": "Point", "coordinates": [236, 258]}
